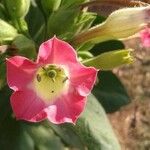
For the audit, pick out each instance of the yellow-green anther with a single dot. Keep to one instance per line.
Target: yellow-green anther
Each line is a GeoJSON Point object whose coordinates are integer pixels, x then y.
{"type": "Point", "coordinates": [65, 79]}
{"type": "Point", "coordinates": [38, 77]}
{"type": "Point", "coordinates": [110, 60]}
{"type": "Point", "coordinates": [120, 24]}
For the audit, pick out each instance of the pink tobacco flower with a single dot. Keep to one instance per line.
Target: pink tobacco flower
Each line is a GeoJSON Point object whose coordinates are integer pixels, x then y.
{"type": "Point", "coordinates": [145, 37]}
{"type": "Point", "coordinates": [54, 87]}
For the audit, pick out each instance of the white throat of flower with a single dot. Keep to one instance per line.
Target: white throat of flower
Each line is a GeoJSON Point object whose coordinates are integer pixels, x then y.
{"type": "Point", "coordinates": [50, 82]}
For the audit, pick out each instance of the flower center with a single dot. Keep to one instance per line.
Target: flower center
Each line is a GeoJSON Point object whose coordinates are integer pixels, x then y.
{"type": "Point", "coordinates": [50, 82]}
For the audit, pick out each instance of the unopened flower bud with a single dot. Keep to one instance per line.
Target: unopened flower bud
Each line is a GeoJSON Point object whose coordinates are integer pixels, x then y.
{"type": "Point", "coordinates": [110, 60]}
{"type": "Point", "coordinates": [120, 24]}
{"type": "Point", "coordinates": [7, 32]}
{"type": "Point", "coordinates": [17, 8]}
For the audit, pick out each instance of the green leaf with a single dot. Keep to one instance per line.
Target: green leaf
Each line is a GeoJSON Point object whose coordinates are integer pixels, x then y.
{"type": "Point", "coordinates": [81, 22]}
{"type": "Point", "coordinates": [2, 12]}
{"type": "Point", "coordinates": [44, 138]}
{"type": "Point", "coordinates": [61, 21]}
{"type": "Point", "coordinates": [5, 108]}
{"type": "Point", "coordinates": [97, 49]}
{"type": "Point", "coordinates": [12, 136]}
{"type": "Point", "coordinates": [3, 70]}
{"type": "Point", "coordinates": [94, 128]}
{"type": "Point", "coordinates": [110, 91]}
{"type": "Point", "coordinates": [107, 46]}
{"type": "Point", "coordinates": [25, 46]}
{"type": "Point", "coordinates": [65, 131]}
{"type": "Point", "coordinates": [35, 21]}
{"type": "Point", "coordinates": [69, 3]}
{"type": "Point", "coordinates": [99, 19]}
{"type": "Point", "coordinates": [50, 5]}
{"type": "Point", "coordinates": [84, 21]}
{"type": "Point", "coordinates": [84, 55]}
{"type": "Point", "coordinates": [84, 47]}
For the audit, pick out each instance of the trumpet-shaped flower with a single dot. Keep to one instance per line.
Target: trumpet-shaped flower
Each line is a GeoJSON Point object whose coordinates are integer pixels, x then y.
{"type": "Point", "coordinates": [120, 24]}
{"type": "Point", "coordinates": [54, 87]}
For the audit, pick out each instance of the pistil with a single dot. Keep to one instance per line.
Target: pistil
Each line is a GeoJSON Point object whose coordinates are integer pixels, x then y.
{"type": "Point", "coordinates": [50, 82]}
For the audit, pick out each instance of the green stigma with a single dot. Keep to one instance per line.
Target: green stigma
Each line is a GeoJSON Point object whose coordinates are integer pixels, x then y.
{"type": "Point", "coordinates": [52, 73]}
{"type": "Point", "coordinates": [50, 82]}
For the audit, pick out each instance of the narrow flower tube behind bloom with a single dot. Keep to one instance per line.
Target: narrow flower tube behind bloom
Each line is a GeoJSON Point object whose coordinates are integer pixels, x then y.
{"type": "Point", "coordinates": [110, 60]}
{"type": "Point", "coordinates": [120, 24]}
{"type": "Point", "coordinates": [53, 87]}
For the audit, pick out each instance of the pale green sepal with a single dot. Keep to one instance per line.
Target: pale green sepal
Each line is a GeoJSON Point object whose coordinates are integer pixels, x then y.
{"type": "Point", "coordinates": [110, 60]}
{"type": "Point", "coordinates": [85, 54]}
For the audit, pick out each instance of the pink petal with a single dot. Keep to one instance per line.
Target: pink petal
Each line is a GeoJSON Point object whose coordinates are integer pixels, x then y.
{"type": "Point", "coordinates": [45, 52]}
{"type": "Point", "coordinates": [20, 72]}
{"type": "Point", "coordinates": [27, 106]}
{"type": "Point", "coordinates": [57, 52]}
{"type": "Point", "coordinates": [67, 108]}
{"type": "Point", "coordinates": [83, 79]}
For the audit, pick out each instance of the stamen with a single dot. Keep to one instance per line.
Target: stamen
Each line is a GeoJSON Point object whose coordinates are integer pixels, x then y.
{"type": "Point", "coordinates": [59, 70]}
{"type": "Point", "coordinates": [53, 79]}
{"type": "Point", "coordinates": [43, 68]}
{"type": "Point", "coordinates": [65, 79]}
{"type": "Point", "coordinates": [50, 82]}
{"type": "Point", "coordinates": [38, 77]}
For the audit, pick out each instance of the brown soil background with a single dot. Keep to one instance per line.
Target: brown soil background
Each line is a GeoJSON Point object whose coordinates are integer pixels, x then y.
{"type": "Point", "coordinates": [132, 122]}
